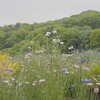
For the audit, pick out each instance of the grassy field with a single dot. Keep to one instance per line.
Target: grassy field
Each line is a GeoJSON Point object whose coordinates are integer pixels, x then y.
{"type": "Point", "coordinates": [42, 76]}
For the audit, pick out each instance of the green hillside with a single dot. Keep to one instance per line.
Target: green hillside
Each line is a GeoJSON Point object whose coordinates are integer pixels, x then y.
{"type": "Point", "coordinates": [81, 31]}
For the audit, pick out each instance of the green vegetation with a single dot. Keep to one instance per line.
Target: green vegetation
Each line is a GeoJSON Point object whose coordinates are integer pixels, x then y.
{"type": "Point", "coordinates": [81, 30]}
{"type": "Point", "coordinates": [55, 60]}
{"type": "Point", "coordinates": [42, 76]}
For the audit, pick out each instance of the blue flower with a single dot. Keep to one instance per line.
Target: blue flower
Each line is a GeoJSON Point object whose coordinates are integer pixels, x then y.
{"type": "Point", "coordinates": [64, 69]}
{"type": "Point", "coordinates": [4, 79]}
{"type": "Point", "coordinates": [11, 70]}
{"type": "Point", "coordinates": [85, 80]}
{"type": "Point", "coordinates": [84, 59]}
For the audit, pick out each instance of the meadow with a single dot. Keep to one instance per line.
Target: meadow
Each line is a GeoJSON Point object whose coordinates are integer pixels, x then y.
{"type": "Point", "coordinates": [50, 76]}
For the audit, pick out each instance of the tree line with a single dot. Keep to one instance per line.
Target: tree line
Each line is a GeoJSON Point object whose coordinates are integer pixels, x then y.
{"type": "Point", "coordinates": [81, 31]}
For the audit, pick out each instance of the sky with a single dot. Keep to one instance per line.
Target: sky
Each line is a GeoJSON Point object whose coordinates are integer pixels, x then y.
{"type": "Point", "coordinates": [30, 11]}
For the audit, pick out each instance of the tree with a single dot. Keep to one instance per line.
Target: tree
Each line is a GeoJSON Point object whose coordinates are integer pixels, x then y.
{"type": "Point", "coordinates": [2, 39]}
{"type": "Point", "coordinates": [71, 37]}
{"type": "Point", "coordinates": [95, 38]}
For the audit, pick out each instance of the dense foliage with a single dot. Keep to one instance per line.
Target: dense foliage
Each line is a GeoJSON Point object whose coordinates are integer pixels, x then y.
{"type": "Point", "coordinates": [81, 30]}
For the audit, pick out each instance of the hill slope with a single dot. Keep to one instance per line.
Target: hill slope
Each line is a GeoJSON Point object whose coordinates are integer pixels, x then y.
{"type": "Point", "coordinates": [81, 30]}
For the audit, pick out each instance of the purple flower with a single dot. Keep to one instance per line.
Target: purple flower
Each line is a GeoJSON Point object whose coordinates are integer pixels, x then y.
{"type": "Point", "coordinates": [4, 79]}
{"type": "Point", "coordinates": [64, 69]}
{"type": "Point", "coordinates": [42, 80]}
{"type": "Point", "coordinates": [84, 59]}
{"type": "Point", "coordinates": [85, 80]}
{"type": "Point", "coordinates": [11, 70]}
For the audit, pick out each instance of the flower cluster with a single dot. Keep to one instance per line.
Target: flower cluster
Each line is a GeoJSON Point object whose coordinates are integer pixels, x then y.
{"type": "Point", "coordinates": [47, 34]}
{"type": "Point", "coordinates": [40, 51]}
{"type": "Point", "coordinates": [7, 68]}
{"type": "Point", "coordinates": [56, 40]}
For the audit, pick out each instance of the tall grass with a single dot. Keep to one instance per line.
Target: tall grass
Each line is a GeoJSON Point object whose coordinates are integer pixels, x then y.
{"type": "Point", "coordinates": [42, 77]}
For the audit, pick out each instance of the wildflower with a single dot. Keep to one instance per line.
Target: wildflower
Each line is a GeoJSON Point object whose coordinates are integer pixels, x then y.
{"type": "Point", "coordinates": [94, 79]}
{"type": "Point", "coordinates": [55, 32]}
{"type": "Point", "coordinates": [83, 59]}
{"type": "Point", "coordinates": [13, 79]}
{"type": "Point", "coordinates": [7, 65]}
{"type": "Point", "coordinates": [71, 72]}
{"type": "Point", "coordinates": [76, 66]}
{"type": "Point", "coordinates": [10, 58]}
{"type": "Point", "coordinates": [33, 84]}
{"type": "Point", "coordinates": [70, 48]}
{"type": "Point", "coordinates": [29, 47]}
{"type": "Point", "coordinates": [61, 43]}
{"type": "Point", "coordinates": [39, 51]}
{"type": "Point", "coordinates": [98, 75]}
{"type": "Point", "coordinates": [16, 81]}
{"type": "Point", "coordinates": [35, 81]}
{"type": "Point", "coordinates": [27, 82]}
{"type": "Point", "coordinates": [27, 55]}
{"type": "Point", "coordinates": [96, 90]}
{"type": "Point", "coordinates": [97, 83]}
{"type": "Point", "coordinates": [56, 40]}
{"type": "Point", "coordinates": [6, 81]}
{"type": "Point", "coordinates": [47, 34]}
{"type": "Point", "coordinates": [68, 55]}
{"type": "Point", "coordinates": [54, 70]}
{"type": "Point", "coordinates": [89, 84]}
{"type": "Point", "coordinates": [85, 80]}
{"type": "Point", "coordinates": [87, 69]}
{"type": "Point", "coordinates": [11, 70]}
{"type": "Point", "coordinates": [67, 72]}
{"type": "Point", "coordinates": [42, 80]}
{"type": "Point", "coordinates": [20, 83]}
{"type": "Point", "coordinates": [64, 69]}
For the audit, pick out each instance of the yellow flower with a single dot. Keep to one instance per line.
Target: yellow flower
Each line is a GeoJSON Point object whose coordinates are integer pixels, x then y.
{"type": "Point", "coordinates": [7, 67]}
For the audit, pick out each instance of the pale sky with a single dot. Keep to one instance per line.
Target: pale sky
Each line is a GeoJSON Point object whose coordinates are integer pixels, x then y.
{"type": "Point", "coordinates": [30, 11]}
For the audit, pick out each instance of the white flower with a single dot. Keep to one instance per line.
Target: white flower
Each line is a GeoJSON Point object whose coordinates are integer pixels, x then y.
{"type": "Point", "coordinates": [61, 43]}
{"type": "Point", "coordinates": [97, 83]}
{"type": "Point", "coordinates": [54, 40]}
{"type": "Point", "coordinates": [55, 32]}
{"type": "Point", "coordinates": [47, 34]}
{"type": "Point", "coordinates": [29, 47]}
{"type": "Point", "coordinates": [89, 84]}
{"type": "Point", "coordinates": [40, 51]}
{"type": "Point", "coordinates": [13, 79]}
{"type": "Point", "coordinates": [71, 47]}
{"type": "Point", "coordinates": [10, 58]}
{"type": "Point", "coordinates": [6, 81]}
{"type": "Point", "coordinates": [27, 82]}
{"type": "Point", "coordinates": [33, 84]}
